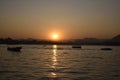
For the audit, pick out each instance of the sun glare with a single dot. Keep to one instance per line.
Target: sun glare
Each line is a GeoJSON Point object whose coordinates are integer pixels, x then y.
{"type": "Point", "coordinates": [55, 36]}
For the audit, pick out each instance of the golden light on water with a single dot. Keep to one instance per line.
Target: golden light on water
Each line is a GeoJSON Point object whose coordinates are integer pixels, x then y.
{"type": "Point", "coordinates": [52, 73]}
{"type": "Point", "coordinates": [54, 60]}
{"type": "Point", "coordinates": [54, 47]}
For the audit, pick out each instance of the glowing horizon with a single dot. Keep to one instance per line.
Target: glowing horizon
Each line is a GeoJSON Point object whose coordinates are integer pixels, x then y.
{"type": "Point", "coordinates": [73, 19]}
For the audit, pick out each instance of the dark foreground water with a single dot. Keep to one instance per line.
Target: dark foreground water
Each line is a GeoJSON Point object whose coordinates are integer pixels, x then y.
{"type": "Point", "coordinates": [52, 62]}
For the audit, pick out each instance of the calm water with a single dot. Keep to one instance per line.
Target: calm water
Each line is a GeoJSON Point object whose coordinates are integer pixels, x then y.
{"type": "Point", "coordinates": [57, 62]}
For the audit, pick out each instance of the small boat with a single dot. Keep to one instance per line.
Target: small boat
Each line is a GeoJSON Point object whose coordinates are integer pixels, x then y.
{"type": "Point", "coordinates": [17, 49]}
{"type": "Point", "coordinates": [76, 46]}
{"type": "Point", "coordinates": [106, 49]}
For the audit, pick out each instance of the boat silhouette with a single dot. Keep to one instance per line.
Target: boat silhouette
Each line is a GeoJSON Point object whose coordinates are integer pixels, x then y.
{"type": "Point", "coordinates": [106, 48]}
{"type": "Point", "coordinates": [17, 49]}
{"type": "Point", "coordinates": [76, 46]}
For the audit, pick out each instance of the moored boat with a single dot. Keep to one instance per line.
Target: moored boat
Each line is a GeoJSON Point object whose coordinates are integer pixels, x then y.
{"type": "Point", "coordinates": [14, 49]}
{"type": "Point", "coordinates": [106, 48]}
{"type": "Point", "coordinates": [76, 46]}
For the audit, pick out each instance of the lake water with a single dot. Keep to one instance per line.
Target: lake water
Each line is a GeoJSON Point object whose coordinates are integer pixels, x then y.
{"type": "Point", "coordinates": [59, 62]}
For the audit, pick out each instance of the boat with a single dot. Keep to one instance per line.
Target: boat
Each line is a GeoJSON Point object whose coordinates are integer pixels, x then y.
{"type": "Point", "coordinates": [106, 48]}
{"type": "Point", "coordinates": [76, 46]}
{"type": "Point", "coordinates": [17, 49]}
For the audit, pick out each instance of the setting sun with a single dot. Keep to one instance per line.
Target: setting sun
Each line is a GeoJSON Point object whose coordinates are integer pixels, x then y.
{"type": "Point", "coordinates": [55, 36]}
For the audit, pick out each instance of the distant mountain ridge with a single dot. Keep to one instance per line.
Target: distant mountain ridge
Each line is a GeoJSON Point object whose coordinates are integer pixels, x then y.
{"type": "Point", "coordinates": [116, 38]}
{"type": "Point", "coordinates": [86, 41]}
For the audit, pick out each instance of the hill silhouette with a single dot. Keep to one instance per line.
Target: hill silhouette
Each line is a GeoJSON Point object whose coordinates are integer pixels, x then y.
{"type": "Point", "coordinates": [116, 38]}
{"type": "Point", "coordinates": [86, 41]}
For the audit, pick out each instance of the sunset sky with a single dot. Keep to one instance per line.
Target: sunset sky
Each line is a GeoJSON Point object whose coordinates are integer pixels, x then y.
{"type": "Point", "coordinates": [69, 19]}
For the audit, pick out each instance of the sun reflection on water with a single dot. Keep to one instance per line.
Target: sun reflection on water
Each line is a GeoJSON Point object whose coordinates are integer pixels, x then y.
{"type": "Point", "coordinates": [54, 54]}
{"type": "Point", "coordinates": [54, 61]}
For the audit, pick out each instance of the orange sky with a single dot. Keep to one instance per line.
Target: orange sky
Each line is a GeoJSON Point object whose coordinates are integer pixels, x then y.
{"type": "Point", "coordinates": [71, 19]}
